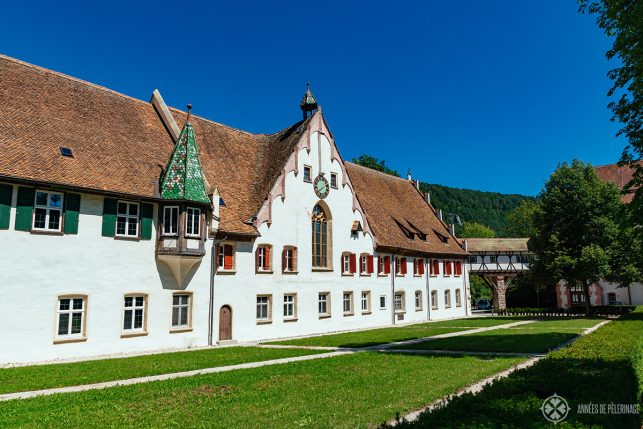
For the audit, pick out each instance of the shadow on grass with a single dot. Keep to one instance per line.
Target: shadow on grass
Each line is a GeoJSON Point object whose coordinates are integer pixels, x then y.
{"type": "Point", "coordinates": [510, 342]}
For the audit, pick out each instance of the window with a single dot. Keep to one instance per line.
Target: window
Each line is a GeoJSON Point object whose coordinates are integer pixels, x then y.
{"type": "Point", "coordinates": [134, 313]}
{"type": "Point", "coordinates": [290, 306]}
{"type": "Point", "coordinates": [611, 298]}
{"type": "Point", "coordinates": [348, 303]}
{"type": "Point", "coordinates": [225, 257]}
{"type": "Point", "coordinates": [366, 302]}
{"type": "Point", "coordinates": [71, 316]}
{"type": "Point", "coordinates": [493, 259]}
{"type": "Point", "coordinates": [577, 295]}
{"type": "Point", "coordinates": [435, 267]}
{"type": "Point", "coordinates": [264, 263]}
{"type": "Point", "coordinates": [418, 267]}
{"type": "Point", "coordinates": [384, 265]}
{"type": "Point", "coordinates": [193, 222]}
{"type": "Point", "coordinates": [48, 211]}
{"type": "Point", "coordinates": [348, 263]}
{"type": "Point", "coordinates": [365, 264]}
{"type": "Point", "coordinates": [127, 219]}
{"type": "Point", "coordinates": [458, 298]}
{"type": "Point", "coordinates": [307, 174]}
{"type": "Point", "coordinates": [458, 268]}
{"type": "Point", "coordinates": [181, 309]}
{"type": "Point", "coordinates": [473, 259]}
{"type": "Point", "coordinates": [333, 180]}
{"type": "Point", "coordinates": [447, 268]}
{"type": "Point", "coordinates": [400, 266]}
{"type": "Point", "coordinates": [264, 311]}
{"type": "Point", "coordinates": [398, 301]}
{"type": "Point", "coordinates": [289, 259]}
{"type": "Point", "coordinates": [170, 220]}
{"type": "Point", "coordinates": [418, 300]}
{"type": "Point", "coordinates": [319, 222]}
{"type": "Point", "coordinates": [447, 299]}
{"type": "Point", "coordinates": [324, 304]}
{"type": "Point", "coordinates": [382, 302]}
{"type": "Point", "coordinates": [434, 300]}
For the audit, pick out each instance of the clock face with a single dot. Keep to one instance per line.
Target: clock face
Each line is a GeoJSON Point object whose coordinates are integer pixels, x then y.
{"type": "Point", "coordinates": [321, 186]}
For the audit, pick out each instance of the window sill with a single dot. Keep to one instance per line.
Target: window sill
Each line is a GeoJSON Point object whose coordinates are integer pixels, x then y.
{"type": "Point", "coordinates": [365, 274]}
{"type": "Point", "coordinates": [133, 334]}
{"type": "Point", "coordinates": [264, 321]}
{"type": "Point", "coordinates": [418, 275]}
{"type": "Point", "coordinates": [324, 316]}
{"type": "Point", "coordinates": [70, 340]}
{"type": "Point", "coordinates": [399, 275]}
{"type": "Point", "coordinates": [433, 275]}
{"type": "Point", "coordinates": [400, 311]}
{"type": "Point", "coordinates": [458, 306]}
{"type": "Point", "coordinates": [264, 271]}
{"type": "Point", "coordinates": [288, 273]}
{"type": "Point", "coordinates": [180, 330]}
{"type": "Point", "coordinates": [348, 274]}
{"type": "Point", "coordinates": [382, 275]}
{"type": "Point", "coordinates": [226, 271]}
{"type": "Point", "coordinates": [447, 307]}
{"type": "Point", "coordinates": [321, 269]}
{"type": "Point", "coordinates": [434, 308]}
{"type": "Point", "coordinates": [349, 314]}
{"type": "Point", "coordinates": [290, 319]}
{"type": "Point", "coordinates": [418, 308]}
{"type": "Point", "coordinates": [308, 181]}
{"type": "Point", "coordinates": [46, 232]}
{"type": "Point", "coordinates": [126, 238]}
{"type": "Point", "coordinates": [366, 313]}
{"type": "Point", "coordinates": [169, 236]}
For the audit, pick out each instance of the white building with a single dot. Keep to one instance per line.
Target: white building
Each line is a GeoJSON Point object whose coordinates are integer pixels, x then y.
{"type": "Point", "coordinates": [128, 226]}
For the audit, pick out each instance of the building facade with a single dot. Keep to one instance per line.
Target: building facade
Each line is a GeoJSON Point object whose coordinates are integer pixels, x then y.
{"type": "Point", "coordinates": [128, 226]}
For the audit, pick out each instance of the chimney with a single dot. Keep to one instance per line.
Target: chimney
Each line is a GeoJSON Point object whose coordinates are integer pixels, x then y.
{"type": "Point", "coordinates": [408, 175]}
{"type": "Point", "coordinates": [417, 184]}
{"type": "Point", "coordinates": [452, 229]}
{"type": "Point", "coordinates": [440, 214]}
{"type": "Point", "coordinates": [427, 198]}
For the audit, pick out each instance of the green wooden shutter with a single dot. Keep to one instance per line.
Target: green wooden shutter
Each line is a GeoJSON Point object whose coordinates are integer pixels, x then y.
{"type": "Point", "coordinates": [6, 192]}
{"type": "Point", "coordinates": [147, 214]}
{"type": "Point", "coordinates": [72, 208]}
{"type": "Point", "coordinates": [24, 208]}
{"type": "Point", "coordinates": [109, 217]}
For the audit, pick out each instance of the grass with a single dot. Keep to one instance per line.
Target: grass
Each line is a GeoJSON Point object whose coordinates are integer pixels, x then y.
{"type": "Point", "coordinates": [374, 337]}
{"type": "Point", "coordinates": [604, 367]}
{"type": "Point", "coordinates": [38, 377]}
{"type": "Point", "coordinates": [359, 390]}
{"type": "Point", "coordinates": [537, 337]}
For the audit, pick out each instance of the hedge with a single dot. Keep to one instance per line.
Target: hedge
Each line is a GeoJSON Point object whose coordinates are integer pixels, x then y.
{"type": "Point", "coordinates": [596, 310]}
{"type": "Point", "coordinates": [604, 367]}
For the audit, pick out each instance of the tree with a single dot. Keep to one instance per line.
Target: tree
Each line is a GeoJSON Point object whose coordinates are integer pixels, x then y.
{"type": "Point", "coordinates": [520, 221]}
{"type": "Point", "coordinates": [476, 230]}
{"type": "Point", "coordinates": [577, 229]}
{"type": "Point", "coordinates": [622, 20]}
{"type": "Point", "coordinates": [374, 163]}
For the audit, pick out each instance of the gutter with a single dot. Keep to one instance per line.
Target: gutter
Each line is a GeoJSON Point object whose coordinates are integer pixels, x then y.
{"type": "Point", "coordinates": [392, 269]}
{"type": "Point", "coordinates": [428, 288]}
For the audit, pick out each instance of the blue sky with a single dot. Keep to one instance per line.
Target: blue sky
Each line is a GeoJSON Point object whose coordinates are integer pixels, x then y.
{"type": "Point", "coordinates": [487, 95]}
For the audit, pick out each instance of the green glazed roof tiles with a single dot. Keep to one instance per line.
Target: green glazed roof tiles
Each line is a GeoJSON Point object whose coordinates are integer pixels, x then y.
{"type": "Point", "coordinates": [183, 178]}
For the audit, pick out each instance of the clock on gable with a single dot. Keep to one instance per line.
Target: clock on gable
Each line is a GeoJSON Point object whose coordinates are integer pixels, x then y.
{"type": "Point", "coordinates": [321, 186]}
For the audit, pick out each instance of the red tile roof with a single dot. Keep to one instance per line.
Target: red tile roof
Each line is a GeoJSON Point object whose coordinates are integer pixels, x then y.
{"type": "Point", "coordinates": [620, 176]}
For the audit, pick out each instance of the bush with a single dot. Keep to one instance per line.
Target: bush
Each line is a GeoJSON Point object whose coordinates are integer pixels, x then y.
{"type": "Point", "coordinates": [597, 310]}
{"type": "Point", "coordinates": [604, 367]}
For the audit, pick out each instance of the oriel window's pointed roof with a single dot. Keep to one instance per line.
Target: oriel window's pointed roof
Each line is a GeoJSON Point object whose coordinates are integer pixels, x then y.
{"type": "Point", "coordinates": [308, 101]}
{"type": "Point", "coordinates": [183, 179]}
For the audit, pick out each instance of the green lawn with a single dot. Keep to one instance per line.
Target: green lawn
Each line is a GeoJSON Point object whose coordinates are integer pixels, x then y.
{"type": "Point", "coordinates": [374, 337]}
{"type": "Point", "coordinates": [38, 377]}
{"type": "Point", "coordinates": [536, 337]}
{"type": "Point", "coordinates": [604, 367]}
{"type": "Point", "coordinates": [359, 390]}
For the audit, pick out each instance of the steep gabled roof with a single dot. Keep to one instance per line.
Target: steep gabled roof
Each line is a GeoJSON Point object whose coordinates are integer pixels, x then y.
{"type": "Point", "coordinates": [398, 215]}
{"type": "Point", "coordinates": [497, 244]}
{"type": "Point", "coordinates": [120, 144]}
{"type": "Point", "coordinates": [618, 175]}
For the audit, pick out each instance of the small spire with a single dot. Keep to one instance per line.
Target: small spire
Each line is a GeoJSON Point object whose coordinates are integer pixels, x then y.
{"type": "Point", "coordinates": [308, 103]}
{"type": "Point", "coordinates": [189, 113]}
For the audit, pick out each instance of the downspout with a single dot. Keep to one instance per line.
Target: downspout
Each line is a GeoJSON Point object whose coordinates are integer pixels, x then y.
{"type": "Point", "coordinates": [465, 274]}
{"type": "Point", "coordinates": [392, 270]}
{"type": "Point", "coordinates": [428, 289]}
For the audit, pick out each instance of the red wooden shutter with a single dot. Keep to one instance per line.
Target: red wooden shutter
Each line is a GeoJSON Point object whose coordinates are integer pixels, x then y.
{"type": "Point", "coordinates": [283, 260]}
{"type": "Point", "coordinates": [420, 266]}
{"type": "Point", "coordinates": [403, 262]}
{"type": "Point", "coordinates": [387, 265]}
{"type": "Point", "coordinates": [369, 262]}
{"type": "Point", "coordinates": [227, 257]}
{"type": "Point", "coordinates": [266, 260]}
{"type": "Point", "coordinates": [294, 259]}
{"type": "Point", "coordinates": [257, 264]}
{"type": "Point", "coordinates": [352, 263]}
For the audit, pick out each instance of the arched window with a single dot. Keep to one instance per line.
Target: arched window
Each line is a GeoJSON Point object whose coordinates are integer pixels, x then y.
{"type": "Point", "coordinates": [320, 226]}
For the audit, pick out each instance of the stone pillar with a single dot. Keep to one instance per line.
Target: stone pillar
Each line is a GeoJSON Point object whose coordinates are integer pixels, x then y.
{"type": "Point", "coordinates": [499, 291]}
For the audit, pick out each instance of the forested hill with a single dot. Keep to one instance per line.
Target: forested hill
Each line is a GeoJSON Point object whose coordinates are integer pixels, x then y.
{"type": "Point", "coordinates": [486, 208]}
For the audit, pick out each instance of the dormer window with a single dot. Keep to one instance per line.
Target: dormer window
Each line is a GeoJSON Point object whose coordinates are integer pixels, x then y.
{"type": "Point", "coordinates": [193, 222]}
{"type": "Point", "coordinates": [127, 219]}
{"type": "Point", "coordinates": [171, 220]}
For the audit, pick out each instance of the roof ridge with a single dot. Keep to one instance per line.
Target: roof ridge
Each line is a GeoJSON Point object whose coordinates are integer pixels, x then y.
{"type": "Point", "coordinates": [72, 78]}
{"type": "Point", "coordinates": [379, 172]}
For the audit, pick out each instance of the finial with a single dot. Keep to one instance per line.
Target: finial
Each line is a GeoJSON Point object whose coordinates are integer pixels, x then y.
{"type": "Point", "coordinates": [189, 113]}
